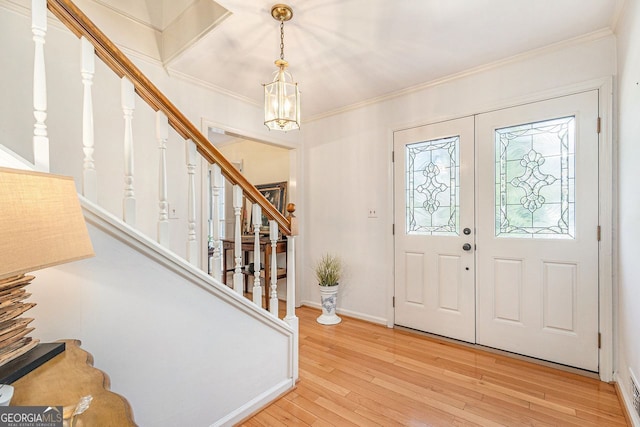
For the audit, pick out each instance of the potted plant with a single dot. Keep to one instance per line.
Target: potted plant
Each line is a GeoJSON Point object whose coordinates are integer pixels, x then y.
{"type": "Point", "coordinates": [328, 270]}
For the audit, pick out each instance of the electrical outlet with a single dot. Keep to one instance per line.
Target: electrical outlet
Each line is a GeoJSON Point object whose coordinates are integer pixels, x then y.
{"type": "Point", "coordinates": [373, 213]}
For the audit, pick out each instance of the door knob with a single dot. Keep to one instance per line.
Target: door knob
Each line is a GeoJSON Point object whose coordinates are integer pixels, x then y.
{"type": "Point", "coordinates": [466, 246]}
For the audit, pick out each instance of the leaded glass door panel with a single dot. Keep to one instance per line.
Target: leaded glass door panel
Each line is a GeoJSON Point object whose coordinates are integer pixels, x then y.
{"type": "Point", "coordinates": [537, 257]}
{"type": "Point", "coordinates": [434, 199]}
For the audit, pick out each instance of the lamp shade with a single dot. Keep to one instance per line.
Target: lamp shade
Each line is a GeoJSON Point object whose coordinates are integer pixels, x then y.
{"type": "Point", "coordinates": [41, 222]}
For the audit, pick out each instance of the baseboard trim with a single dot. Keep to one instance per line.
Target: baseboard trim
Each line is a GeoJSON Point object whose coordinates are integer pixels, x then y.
{"type": "Point", "coordinates": [349, 313]}
{"type": "Point", "coordinates": [257, 411]}
{"type": "Point", "coordinates": [256, 404]}
{"type": "Point", "coordinates": [626, 403]}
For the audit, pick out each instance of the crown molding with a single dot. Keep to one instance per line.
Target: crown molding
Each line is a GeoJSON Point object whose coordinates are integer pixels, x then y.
{"type": "Point", "coordinates": [196, 81]}
{"type": "Point", "coordinates": [621, 6]}
{"type": "Point", "coordinates": [589, 37]}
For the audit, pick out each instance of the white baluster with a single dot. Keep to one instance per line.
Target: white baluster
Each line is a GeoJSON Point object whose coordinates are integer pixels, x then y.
{"type": "Point", "coordinates": [192, 242]}
{"type": "Point", "coordinates": [257, 222]}
{"type": "Point", "coordinates": [210, 217]}
{"type": "Point", "coordinates": [215, 222]}
{"type": "Point", "coordinates": [162, 135]}
{"type": "Point", "coordinates": [40, 138]}
{"type": "Point", "coordinates": [128, 98]}
{"type": "Point", "coordinates": [238, 279]}
{"type": "Point", "coordinates": [273, 236]}
{"type": "Point", "coordinates": [87, 70]}
{"type": "Point", "coordinates": [291, 317]}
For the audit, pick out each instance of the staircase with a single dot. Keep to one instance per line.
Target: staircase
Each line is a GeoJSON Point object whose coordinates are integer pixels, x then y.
{"type": "Point", "coordinates": [184, 348]}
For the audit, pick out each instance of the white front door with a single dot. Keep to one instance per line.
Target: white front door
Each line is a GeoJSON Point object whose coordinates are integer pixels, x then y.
{"type": "Point", "coordinates": [537, 256]}
{"type": "Point", "coordinates": [529, 200]}
{"type": "Point", "coordinates": [434, 275]}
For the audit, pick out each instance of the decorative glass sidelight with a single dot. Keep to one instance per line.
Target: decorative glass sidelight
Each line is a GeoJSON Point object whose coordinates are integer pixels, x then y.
{"type": "Point", "coordinates": [535, 180]}
{"type": "Point", "coordinates": [433, 186]}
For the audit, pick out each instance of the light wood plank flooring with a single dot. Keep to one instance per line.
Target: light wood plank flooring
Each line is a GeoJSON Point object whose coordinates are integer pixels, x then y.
{"type": "Point", "coordinates": [361, 374]}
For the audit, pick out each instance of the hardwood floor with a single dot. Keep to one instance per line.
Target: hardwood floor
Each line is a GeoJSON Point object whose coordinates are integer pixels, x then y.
{"type": "Point", "coordinates": [360, 374]}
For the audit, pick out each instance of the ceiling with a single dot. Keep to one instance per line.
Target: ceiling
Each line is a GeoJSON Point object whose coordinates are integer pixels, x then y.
{"type": "Point", "coordinates": [344, 52]}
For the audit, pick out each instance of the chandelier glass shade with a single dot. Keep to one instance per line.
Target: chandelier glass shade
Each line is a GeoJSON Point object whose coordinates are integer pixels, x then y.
{"type": "Point", "coordinates": [282, 96]}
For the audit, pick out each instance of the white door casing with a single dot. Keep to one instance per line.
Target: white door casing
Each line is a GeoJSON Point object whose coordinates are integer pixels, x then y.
{"type": "Point", "coordinates": [434, 277]}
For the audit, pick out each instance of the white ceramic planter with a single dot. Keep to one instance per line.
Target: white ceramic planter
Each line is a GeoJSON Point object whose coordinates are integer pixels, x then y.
{"type": "Point", "coordinates": [329, 300]}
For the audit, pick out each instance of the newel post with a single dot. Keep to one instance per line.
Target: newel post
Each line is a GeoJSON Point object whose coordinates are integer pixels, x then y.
{"type": "Point", "coordinates": [273, 292]}
{"type": "Point", "coordinates": [291, 317]}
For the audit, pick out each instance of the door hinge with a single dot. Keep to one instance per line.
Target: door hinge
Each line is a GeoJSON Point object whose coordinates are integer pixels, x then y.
{"type": "Point", "coordinates": [393, 229]}
{"type": "Point", "coordinates": [598, 126]}
{"type": "Point", "coordinates": [599, 340]}
{"type": "Point", "coordinates": [598, 232]}
{"type": "Point", "coordinates": [393, 156]}
{"type": "Point", "coordinates": [393, 302]}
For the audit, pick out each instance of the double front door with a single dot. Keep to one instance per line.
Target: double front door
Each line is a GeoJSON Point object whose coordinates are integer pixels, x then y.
{"type": "Point", "coordinates": [496, 229]}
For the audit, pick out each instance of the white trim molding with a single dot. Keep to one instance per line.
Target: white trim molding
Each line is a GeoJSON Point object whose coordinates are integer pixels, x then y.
{"type": "Point", "coordinates": [607, 225]}
{"type": "Point", "coordinates": [349, 313]}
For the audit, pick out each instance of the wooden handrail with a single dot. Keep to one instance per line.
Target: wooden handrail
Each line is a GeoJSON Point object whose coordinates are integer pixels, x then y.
{"type": "Point", "coordinates": [74, 19]}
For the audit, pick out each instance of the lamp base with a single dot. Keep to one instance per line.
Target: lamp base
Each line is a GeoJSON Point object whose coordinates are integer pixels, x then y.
{"type": "Point", "coordinates": [22, 365]}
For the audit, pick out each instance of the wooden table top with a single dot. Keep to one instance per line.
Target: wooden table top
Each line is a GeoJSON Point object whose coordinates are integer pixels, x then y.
{"type": "Point", "coordinates": [63, 380]}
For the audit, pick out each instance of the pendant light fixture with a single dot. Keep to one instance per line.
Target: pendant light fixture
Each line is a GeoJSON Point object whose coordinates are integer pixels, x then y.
{"type": "Point", "coordinates": [281, 96]}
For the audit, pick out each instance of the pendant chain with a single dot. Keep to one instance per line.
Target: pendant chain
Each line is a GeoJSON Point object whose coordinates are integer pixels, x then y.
{"type": "Point", "coordinates": [282, 40]}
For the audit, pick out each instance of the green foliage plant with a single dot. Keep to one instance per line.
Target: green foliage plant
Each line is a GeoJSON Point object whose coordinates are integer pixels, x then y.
{"type": "Point", "coordinates": [328, 270]}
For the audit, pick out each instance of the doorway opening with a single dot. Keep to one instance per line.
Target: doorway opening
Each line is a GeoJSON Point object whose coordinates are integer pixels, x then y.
{"type": "Point", "coordinates": [272, 168]}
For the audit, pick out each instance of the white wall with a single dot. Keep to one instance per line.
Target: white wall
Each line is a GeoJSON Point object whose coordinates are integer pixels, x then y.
{"type": "Point", "coordinates": [262, 163]}
{"type": "Point", "coordinates": [348, 162]}
{"type": "Point", "coordinates": [628, 272]}
{"type": "Point", "coordinates": [181, 351]}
